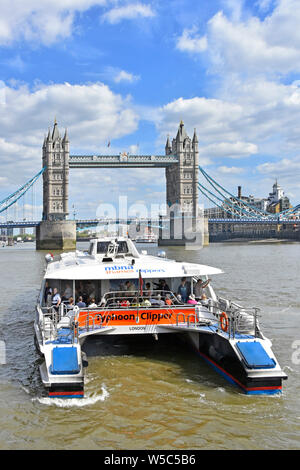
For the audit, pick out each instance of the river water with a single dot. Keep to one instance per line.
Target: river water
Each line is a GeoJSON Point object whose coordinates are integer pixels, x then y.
{"type": "Point", "coordinates": [147, 394]}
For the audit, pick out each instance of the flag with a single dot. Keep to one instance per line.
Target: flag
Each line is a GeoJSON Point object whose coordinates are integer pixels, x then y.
{"type": "Point", "coordinates": [140, 283]}
{"type": "Point", "coordinates": [108, 145]}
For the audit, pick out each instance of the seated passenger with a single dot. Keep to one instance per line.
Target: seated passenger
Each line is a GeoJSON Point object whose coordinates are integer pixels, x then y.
{"type": "Point", "coordinates": [168, 300]}
{"type": "Point", "coordinates": [92, 304]}
{"type": "Point", "coordinates": [158, 301]}
{"type": "Point", "coordinates": [80, 302]}
{"type": "Point", "coordinates": [204, 300]}
{"type": "Point", "coordinates": [70, 305]}
{"type": "Point", "coordinates": [125, 303]}
{"type": "Point", "coordinates": [192, 300]}
{"type": "Point", "coordinates": [146, 303]}
{"type": "Point", "coordinates": [135, 303]}
{"type": "Point", "coordinates": [178, 300]}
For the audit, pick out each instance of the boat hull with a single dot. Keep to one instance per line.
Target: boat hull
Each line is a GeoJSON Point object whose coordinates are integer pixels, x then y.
{"type": "Point", "coordinates": [220, 353]}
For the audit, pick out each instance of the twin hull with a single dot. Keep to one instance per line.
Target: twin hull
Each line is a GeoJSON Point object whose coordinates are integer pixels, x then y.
{"type": "Point", "coordinates": [215, 346]}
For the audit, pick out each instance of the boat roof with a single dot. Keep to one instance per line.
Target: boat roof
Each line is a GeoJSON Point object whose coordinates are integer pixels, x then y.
{"type": "Point", "coordinates": [85, 266]}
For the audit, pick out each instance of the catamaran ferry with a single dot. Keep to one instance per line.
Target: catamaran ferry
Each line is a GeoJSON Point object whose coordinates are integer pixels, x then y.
{"type": "Point", "coordinates": [112, 289]}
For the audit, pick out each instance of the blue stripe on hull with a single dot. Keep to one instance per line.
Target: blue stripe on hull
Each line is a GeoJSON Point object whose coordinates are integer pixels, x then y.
{"type": "Point", "coordinates": [233, 381]}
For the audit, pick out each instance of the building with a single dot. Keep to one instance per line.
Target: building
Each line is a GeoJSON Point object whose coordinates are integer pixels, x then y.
{"type": "Point", "coordinates": [277, 201]}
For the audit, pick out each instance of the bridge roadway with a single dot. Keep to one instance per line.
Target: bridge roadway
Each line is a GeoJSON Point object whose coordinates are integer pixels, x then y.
{"type": "Point", "coordinates": [95, 222]}
{"type": "Point", "coordinates": [122, 161]}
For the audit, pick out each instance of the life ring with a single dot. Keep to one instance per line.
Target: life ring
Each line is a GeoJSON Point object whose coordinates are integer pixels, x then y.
{"type": "Point", "coordinates": [224, 322]}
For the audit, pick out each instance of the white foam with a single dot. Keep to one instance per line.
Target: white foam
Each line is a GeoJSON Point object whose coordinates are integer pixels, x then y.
{"type": "Point", "coordinates": [71, 402]}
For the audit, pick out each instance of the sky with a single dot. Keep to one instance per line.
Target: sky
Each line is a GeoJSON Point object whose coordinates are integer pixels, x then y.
{"type": "Point", "coordinates": [127, 72]}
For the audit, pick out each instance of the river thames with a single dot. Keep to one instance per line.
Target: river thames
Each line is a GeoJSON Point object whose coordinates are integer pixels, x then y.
{"type": "Point", "coordinates": [147, 394]}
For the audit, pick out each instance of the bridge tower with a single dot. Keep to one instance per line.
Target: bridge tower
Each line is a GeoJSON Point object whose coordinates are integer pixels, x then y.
{"type": "Point", "coordinates": [55, 232]}
{"type": "Point", "coordinates": [182, 177]}
{"type": "Point", "coordinates": [56, 152]}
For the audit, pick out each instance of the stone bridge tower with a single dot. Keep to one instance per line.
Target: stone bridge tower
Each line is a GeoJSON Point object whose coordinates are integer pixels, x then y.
{"type": "Point", "coordinates": [55, 232]}
{"type": "Point", "coordinates": [56, 152]}
{"type": "Point", "coordinates": [182, 177]}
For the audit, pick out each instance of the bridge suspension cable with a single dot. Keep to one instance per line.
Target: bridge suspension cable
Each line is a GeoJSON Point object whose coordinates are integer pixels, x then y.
{"type": "Point", "coordinates": [236, 206]}
{"type": "Point", "coordinates": [235, 202]}
{"type": "Point", "coordinates": [14, 197]}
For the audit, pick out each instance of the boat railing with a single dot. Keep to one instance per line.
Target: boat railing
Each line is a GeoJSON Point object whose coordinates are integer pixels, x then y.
{"type": "Point", "coordinates": [234, 318]}
{"type": "Point", "coordinates": [139, 298]}
{"type": "Point", "coordinates": [54, 321]}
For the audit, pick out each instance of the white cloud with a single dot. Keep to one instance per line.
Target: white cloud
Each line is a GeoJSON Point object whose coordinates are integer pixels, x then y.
{"type": "Point", "coordinates": [249, 45]}
{"type": "Point", "coordinates": [123, 76]}
{"type": "Point", "coordinates": [229, 149]}
{"type": "Point", "coordinates": [271, 45]}
{"type": "Point", "coordinates": [283, 167]}
{"type": "Point", "coordinates": [92, 113]}
{"type": "Point", "coordinates": [45, 21]}
{"type": "Point", "coordinates": [189, 41]}
{"type": "Point", "coordinates": [128, 12]}
{"type": "Point", "coordinates": [233, 170]}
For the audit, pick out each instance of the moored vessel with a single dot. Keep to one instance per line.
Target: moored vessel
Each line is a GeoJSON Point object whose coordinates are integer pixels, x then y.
{"type": "Point", "coordinates": [114, 290]}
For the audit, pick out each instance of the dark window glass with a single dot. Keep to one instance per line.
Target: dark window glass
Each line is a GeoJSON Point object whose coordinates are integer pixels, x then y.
{"type": "Point", "coordinates": [102, 247]}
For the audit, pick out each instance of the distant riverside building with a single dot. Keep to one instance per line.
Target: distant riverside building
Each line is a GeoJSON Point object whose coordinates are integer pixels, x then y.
{"type": "Point", "coordinates": [276, 202]}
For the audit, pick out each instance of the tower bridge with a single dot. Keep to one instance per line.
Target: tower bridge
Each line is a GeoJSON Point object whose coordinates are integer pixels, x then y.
{"type": "Point", "coordinates": [239, 218]}
{"type": "Point", "coordinates": [181, 162]}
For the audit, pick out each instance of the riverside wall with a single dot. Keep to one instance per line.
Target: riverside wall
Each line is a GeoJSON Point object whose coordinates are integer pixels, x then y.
{"type": "Point", "coordinates": [220, 232]}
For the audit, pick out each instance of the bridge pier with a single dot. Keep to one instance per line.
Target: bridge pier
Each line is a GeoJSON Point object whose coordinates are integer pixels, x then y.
{"type": "Point", "coordinates": [184, 231]}
{"type": "Point", "coordinates": [56, 235]}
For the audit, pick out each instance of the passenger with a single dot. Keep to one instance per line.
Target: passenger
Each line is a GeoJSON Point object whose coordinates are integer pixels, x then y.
{"type": "Point", "coordinates": [82, 291]}
{"type": "Point", "coordinates": [183, 290]}
{"type": "Point", "coordinates": [125, 303]}
{"type": "Point", "coordinates": [199, 287]}
{"type": "Point", "coordinates": [160, 301]}
{"type": "Point", "coordinates": [178, 300]}
{"type": "Point", "coordinates": [70, 304]}
{"type": "Point", "coordinates": [130, 287]}
{"type": "Point", "coordinates": [48, 295]}
{"type": "Point", "coordinates": [146, 303]}
{"type": "Point", "coordinates": [90, 289]}
{"type": "Point", "coordinates": [148, 290]}
{"type": "Point", "coordinates": [168, 300]}
{"type": "Point", "coordinates": [80, 302]}
{"type": "Point", "coordinates": [162, 285]}
{"type": "Point", "coordinates": [204, 300]}
{"type": "Point", "coordinates": [135, 303]}
{"type": "Point", "coordinates": [93, 303]}
{"type": "Point", "coordinates": [67, 293]}
{"type": "Point", "coordinates": [56, 299]}
{"type": "Point", "coordinates": [192, 300]}
{"type": "Point", "coordinates": [155, 302]}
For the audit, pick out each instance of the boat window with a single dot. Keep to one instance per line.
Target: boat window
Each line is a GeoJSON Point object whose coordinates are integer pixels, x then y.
{"type": "Point", "coordinates": [88, 290]}
{"type": "Point", "coordinates": [103, 246]}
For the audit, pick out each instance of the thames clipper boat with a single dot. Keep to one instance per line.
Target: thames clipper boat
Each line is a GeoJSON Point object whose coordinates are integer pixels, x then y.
{"type": "Point", "coordinates": [112, 289]}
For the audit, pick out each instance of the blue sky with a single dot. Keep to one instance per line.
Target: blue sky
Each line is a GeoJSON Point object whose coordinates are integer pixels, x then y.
{"type": "Point", "coordinates": [127, 71]}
